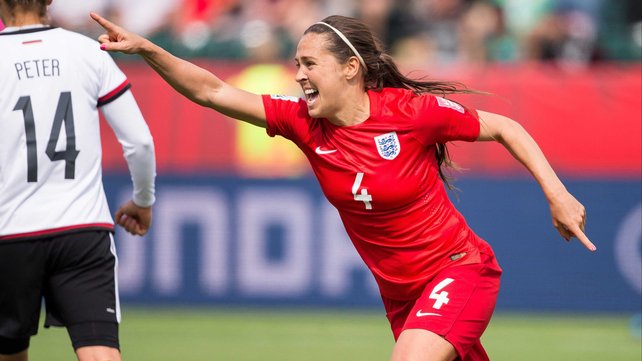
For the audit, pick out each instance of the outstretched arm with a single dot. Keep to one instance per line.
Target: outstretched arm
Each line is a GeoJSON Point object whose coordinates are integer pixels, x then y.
{"type": "Point", "coordinates": [194, 82]}
{"type": "Point", "coordinates": [569, 215]}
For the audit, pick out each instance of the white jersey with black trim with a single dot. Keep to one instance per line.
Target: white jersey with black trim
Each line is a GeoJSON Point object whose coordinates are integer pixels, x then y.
{"type": "Point", "coordinates": [52, 83]}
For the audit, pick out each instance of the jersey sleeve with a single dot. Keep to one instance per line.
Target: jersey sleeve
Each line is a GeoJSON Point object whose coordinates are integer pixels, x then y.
{"type": "Point", "coordinates": [113, 83]}
{"type": "Point", "coordinates": [442, 120]}
{"type": "Point", "coordinates": [126, 120]}
{"type": "Point", "coordinates": [285, 116]}
{"type": "Point", "coordinates": [131, 130]}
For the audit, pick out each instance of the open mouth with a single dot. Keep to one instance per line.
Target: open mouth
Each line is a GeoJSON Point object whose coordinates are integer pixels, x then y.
{"type": "Point", "coordinates": [311, 95]}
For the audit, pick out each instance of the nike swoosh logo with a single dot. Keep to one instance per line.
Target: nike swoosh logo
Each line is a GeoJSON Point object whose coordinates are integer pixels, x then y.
{"type": "Point", "coordinates": [321, 151]}
{"type": "Point", "coordinates": [422, 314]}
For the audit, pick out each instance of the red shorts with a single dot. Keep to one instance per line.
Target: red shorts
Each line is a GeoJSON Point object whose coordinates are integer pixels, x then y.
{"type": "Point", "coordinates": [457, 304]}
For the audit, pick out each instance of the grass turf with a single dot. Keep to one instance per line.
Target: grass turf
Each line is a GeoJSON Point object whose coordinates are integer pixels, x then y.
{"type": "Point", "coordinates": [334, 335]}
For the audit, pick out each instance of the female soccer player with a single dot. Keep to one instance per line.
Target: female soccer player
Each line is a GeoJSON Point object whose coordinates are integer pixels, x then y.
{"type": "Point", "coordinates": [55, 225]}
{"type": "Point", "coordinates": [375, 140]}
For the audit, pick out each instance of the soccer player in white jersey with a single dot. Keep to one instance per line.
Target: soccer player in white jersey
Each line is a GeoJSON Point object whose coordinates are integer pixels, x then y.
{"type": "Point", "coordinates": [55, 225]}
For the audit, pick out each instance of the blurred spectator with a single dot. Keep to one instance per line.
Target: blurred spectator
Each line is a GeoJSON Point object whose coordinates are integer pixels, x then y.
{"type": "Point", "coordinates": [566, 36]}
{"type": "Point", "coordinates": [416, 31]}
{"type": "Point", "coordinates": [483, 34]}
{"type": "Point", "coordinates": [144, 16]}
{"type": "Point", "coordinates": [621, 29]}
{"type": "Point", "coordinates": [199, 22]}
{"type": "Point", "coordinates": [74, 14]}
{"type": "Point", "coordinates": [440, 19]}
{"type": "Point", "coordinates": [376, 14]}
{"type": "Point", "coordinates": [342, 7]}
{"type": "Point", "coordinates": [446, 32]}
{"type": "Point", "coordinates": [522, 16]}
{"type": "Point", "coordinates": [203, 28]}
{"type": "Point", "coordinates": [412, 52]}
{"type": "Point", "coordinates": [286, 20]}
{"type": "Point", "coordinates": [419, 32]}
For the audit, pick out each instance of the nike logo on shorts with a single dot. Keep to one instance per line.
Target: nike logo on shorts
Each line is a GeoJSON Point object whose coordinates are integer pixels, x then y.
{"type": "Point", "coordinates": [422, 314]}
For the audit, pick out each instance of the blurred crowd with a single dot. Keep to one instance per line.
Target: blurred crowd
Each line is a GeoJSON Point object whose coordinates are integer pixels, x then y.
{"type": "Point", "coordinates": [441, 32]}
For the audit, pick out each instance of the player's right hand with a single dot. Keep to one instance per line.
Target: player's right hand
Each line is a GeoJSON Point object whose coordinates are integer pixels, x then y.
{"type": "Point", "coordinates": [134, 219]}
{"type": "Point", "coordinates": [116, 38]}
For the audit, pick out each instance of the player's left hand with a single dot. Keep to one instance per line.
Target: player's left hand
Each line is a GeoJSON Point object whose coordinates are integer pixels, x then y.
{"type": "Point", "coordinates": [134, 219]}
{"type": "Point", "coordinates": [569, 218]}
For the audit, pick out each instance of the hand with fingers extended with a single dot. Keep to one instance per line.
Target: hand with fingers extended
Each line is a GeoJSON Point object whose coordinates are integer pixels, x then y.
{"type": "Point", "coordinates": [134, 219]}
{"type": "Point", "coordinates": [118, 39]}
{"type": "Point", "coordinates": [569, 218]}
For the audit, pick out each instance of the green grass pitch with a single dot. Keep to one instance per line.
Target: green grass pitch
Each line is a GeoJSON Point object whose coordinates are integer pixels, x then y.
{"type": "Point", "coordinates": [238, 334]}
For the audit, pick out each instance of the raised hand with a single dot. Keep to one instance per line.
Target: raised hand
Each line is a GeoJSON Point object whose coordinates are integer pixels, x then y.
{"type": "Point", "coordinates": [569, 218]}
{"type": "Point", "coordinates": [118, 39]}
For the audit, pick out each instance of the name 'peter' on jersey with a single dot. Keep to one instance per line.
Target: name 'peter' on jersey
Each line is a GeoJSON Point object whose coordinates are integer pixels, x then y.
{"type": "Point", "coordinates": [383, 178]}
{"type": "Point", "coordinates": [53, 82]}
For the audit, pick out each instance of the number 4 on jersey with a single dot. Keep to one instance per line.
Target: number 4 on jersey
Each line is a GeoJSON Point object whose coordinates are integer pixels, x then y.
{"type": "Point", "coordinates": [64, 114]}
{"type": "Point", "coordinates": [363, 196]}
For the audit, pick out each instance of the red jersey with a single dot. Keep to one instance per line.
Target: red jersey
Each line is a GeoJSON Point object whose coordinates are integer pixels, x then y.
{"type": "Point", "coordinates": [383, 178]}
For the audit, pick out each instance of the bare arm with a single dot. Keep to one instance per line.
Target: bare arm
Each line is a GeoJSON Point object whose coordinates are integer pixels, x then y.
{"type": "Point", "coordinates": [194, 82]}
{"type": "Point", "coordinates": [569, 215]}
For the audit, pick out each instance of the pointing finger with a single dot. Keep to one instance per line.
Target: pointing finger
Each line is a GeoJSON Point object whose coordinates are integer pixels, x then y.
{"type": "Point", "coordinates": [108, 25]}
{"type": "Point", "coordinates": [577, 232]}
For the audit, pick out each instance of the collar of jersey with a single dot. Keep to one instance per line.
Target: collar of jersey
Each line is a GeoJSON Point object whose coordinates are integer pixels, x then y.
{"type": "Point", "coordinates": [24, 29]}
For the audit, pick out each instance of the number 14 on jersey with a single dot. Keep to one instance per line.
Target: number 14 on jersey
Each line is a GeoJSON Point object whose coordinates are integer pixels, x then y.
{"type": "Point", "coordinates": [64, 114]}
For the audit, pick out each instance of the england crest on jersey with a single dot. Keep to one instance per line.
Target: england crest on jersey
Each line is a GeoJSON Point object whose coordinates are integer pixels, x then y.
{"type": "Point", "coordinates": [388, 145]}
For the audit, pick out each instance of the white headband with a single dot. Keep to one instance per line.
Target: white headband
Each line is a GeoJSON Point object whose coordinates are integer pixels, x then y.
{"type": "Point", "coordinates": [348, 43]}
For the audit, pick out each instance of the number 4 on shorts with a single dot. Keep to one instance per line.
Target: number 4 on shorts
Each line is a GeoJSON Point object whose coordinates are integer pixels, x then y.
{"type": "Point", "coordinates": [440, 298]}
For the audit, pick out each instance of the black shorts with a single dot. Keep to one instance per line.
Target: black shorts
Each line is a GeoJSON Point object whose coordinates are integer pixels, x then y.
{"type": "Point", "coordinates": [76, 275]}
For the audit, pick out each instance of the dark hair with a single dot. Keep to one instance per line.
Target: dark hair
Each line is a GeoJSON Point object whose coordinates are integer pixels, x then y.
{"type": "Point", "coordinates": [25, 5]}
{"type": "Point", "coordinates": [381, 70]}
